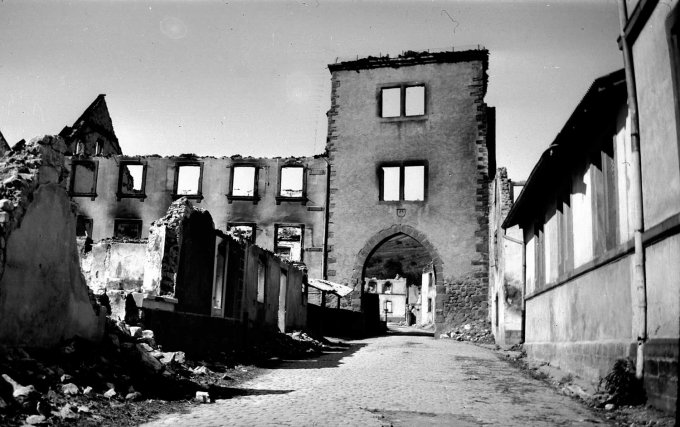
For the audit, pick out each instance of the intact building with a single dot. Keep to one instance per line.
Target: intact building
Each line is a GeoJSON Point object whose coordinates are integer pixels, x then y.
{"type": "Point", "coordinates": [411, 149]}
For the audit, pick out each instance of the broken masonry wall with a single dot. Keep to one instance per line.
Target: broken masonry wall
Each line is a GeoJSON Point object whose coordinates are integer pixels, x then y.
{"type": "Point", "coordinates": [163, 250]}
{"type": "Point", "coordinates": [43, 295]}
{"type": "Point", "coordinates": [194, 284]}
{"type": "Point", "coordinates": [115, 268]}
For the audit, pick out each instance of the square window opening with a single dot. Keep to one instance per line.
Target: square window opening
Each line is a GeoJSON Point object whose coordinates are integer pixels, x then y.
{"type": "Point", "coordinates": [391, 183]}
{"type": "Point", "coordinates": [391, 102]}
{"type": "Point", "coordinates": [83, 226]}
{"type": "Point", "coordinates": [292, 182]}
{"type": "Point", "coordinates": [243, 181]}
{"type": "Point", "coordinates": [414, 183]}
{"type": "Point", "coordinates": [188, 180]}
{"type": "Point", "coordinates": [415, 101]}
{"type": "Point", "coordinates": [131, 181]}
{"type": "Point", "coordinates": [84, 178]}
{"type": "Point", "coordinates": [288, 242]}
{"type": "Point", "coordinates": [127, 229]}
{"type": "Point", "coordinates": [242, 231]}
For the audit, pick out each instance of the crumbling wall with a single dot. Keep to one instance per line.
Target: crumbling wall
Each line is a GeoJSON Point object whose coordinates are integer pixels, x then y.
{"type": "Point", "coordinates": [114, 268]}
{"type": "Point", "coordinates": [163, 249]}
{"type": "Point", "coordinates": [43, 294]}
{"type": "Point", "coordinates": [194, 284]}
{"type": "Point", "coordinates": [114, 265]}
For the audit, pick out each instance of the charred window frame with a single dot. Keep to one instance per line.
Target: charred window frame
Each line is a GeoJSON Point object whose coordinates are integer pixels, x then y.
{"type": "Point", "coordinates": [234, 229]}
{"type": "Point", "coordinates": [292, 195]}
{"type": "Point", "coordinates": [254, 197]}
{"type": "Point", "coordinates": [125, 190]}
{"type": "Point", "coordinates": [402, 101]}
{"type": "Point", "coordinates": [402, 168]}
{"type": "Point", "coordinates": [127, 228]}
{"type": "Point", "coordinates": [178, 192]}
{"type": "Point", "coordinates": [84, 226]}
{"type": "Point", "coordinates": [77, 188]}
{"type": "Point", "coordinates": [284, 246]}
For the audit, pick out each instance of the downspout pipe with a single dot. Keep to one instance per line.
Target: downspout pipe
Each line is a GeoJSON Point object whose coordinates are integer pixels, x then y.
{"type": "Point", "coordinates": [639, 285]}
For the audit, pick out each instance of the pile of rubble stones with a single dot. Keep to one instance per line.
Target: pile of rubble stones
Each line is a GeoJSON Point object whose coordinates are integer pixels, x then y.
{"type": "Point", "coordinates": [126, 377]}
{"type": "Point", "coordinates": [478, 332]}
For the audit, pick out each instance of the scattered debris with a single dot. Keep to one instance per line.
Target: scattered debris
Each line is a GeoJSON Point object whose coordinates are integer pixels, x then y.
{"type": "Point", "coordinates": [478, 332]}
{"type": "Point", "coordinates": [83, 383]}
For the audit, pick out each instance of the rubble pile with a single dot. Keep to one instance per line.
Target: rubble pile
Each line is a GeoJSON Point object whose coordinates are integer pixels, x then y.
{"type": "Point", "coordinates": [274, 345]}
{"type": "Point", "coordinates": [478, 332]}
{"type": "Point", "coordinates": [128, 375]}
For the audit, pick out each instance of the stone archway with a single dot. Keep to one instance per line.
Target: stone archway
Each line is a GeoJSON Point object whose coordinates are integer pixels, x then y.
{"type": "Point", "coordinates": [375, 242]}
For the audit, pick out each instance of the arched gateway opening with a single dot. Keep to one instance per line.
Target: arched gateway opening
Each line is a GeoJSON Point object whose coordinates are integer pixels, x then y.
{"type": "Point", "coordinates": [398, 272]}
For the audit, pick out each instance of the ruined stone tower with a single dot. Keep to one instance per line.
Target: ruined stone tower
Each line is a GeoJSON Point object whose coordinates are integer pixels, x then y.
{"type": "Point", "coordinates": [411, 147]}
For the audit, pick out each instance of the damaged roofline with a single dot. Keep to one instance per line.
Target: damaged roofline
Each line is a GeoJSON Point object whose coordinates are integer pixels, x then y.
{"type": "Point", "coordinates": [412, 58]}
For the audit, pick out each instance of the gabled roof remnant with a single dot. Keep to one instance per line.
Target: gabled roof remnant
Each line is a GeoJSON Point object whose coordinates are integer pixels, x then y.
{"type": "Point", "coordinates": [95, 117]}
{"type": "Point", "coordinates": [595, 111]}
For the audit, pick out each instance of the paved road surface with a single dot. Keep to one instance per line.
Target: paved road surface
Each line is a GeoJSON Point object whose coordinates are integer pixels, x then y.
{"type": "Point", "coordinates": [394, 380]}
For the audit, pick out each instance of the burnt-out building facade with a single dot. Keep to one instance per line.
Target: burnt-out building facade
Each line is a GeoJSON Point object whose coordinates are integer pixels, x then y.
{"type": "Point", "coordinates": [411, 149]}
{"type": "Point", "coordinates": [278, 204]}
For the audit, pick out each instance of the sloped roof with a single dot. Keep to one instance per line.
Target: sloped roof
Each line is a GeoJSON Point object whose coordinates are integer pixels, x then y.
{"type": "Point", "coordinates": [592, 114]}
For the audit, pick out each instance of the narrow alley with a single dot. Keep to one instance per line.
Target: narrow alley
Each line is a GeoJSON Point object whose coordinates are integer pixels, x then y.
{"type": "Point", "coordinates": [399, 380]}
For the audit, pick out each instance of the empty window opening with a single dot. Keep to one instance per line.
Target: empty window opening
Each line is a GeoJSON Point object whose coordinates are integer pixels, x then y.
{"type": "Point", "coordinates": [83, 178]}
{"type": "Point", "coordinates": [188, 180]}
{"type": "Point", "coordinates": [292, 181]}
{"type": "Point", "coordinates": [242, 231]}
{"type": "Point", "coordinates": [429, 305]}
{"type": "Point", "coordinates": [414, 183]}
{"type": "Point", "coordinates": [415, 101]}
{"type": "Point", "coordinates": [261, 277]}
{"type": "Point", "coordinates": [288, 242]}
{"type": "Point", "coordinates": [387, 288]}
{"type": "Point", "coordinates": [372, 287]}
{"type": "Point", "coordinates": [403, 182]}
{"type": "Point", "coordinates": [388, 306]}
{"type": "Point", "coordinates": [83, 226]}
{"type": "Point", "coordinates": [243, 184]}
{"type": "Point", "coordinates": [98, 147]}
{"type": "Point", "coordinates": [131, 180]}
{"type": "Point", "coordinates": [80, 149]}
{"type": "Point", "coordinates": [391, 183]}
{"type": "Point", "coordinates": [402, 101]}
{"type": "Point", "coordinates": [391, 102]}
{"type": "Point", "coordinates": [127, 229]}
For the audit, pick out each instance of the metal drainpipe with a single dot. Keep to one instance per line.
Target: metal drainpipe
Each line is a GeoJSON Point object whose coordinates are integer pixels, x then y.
{"type": "Point", "coordinates": [639, 285]}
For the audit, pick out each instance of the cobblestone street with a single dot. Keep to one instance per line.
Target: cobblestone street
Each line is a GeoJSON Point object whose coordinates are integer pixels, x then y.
{"type": "Point", "coordinates": [395, 380]}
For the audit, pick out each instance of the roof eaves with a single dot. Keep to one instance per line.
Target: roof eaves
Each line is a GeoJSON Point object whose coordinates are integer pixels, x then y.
{"type": "Point", "coordinates": [594, 94]}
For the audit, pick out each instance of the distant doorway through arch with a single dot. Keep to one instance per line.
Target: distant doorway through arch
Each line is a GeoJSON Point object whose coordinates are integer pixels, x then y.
{"type": "Point", "coordinates": [400, 271]}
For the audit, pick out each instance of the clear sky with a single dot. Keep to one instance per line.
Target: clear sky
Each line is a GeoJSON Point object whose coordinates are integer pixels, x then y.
{"type": "Point", "coordinates": [223, 77]}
